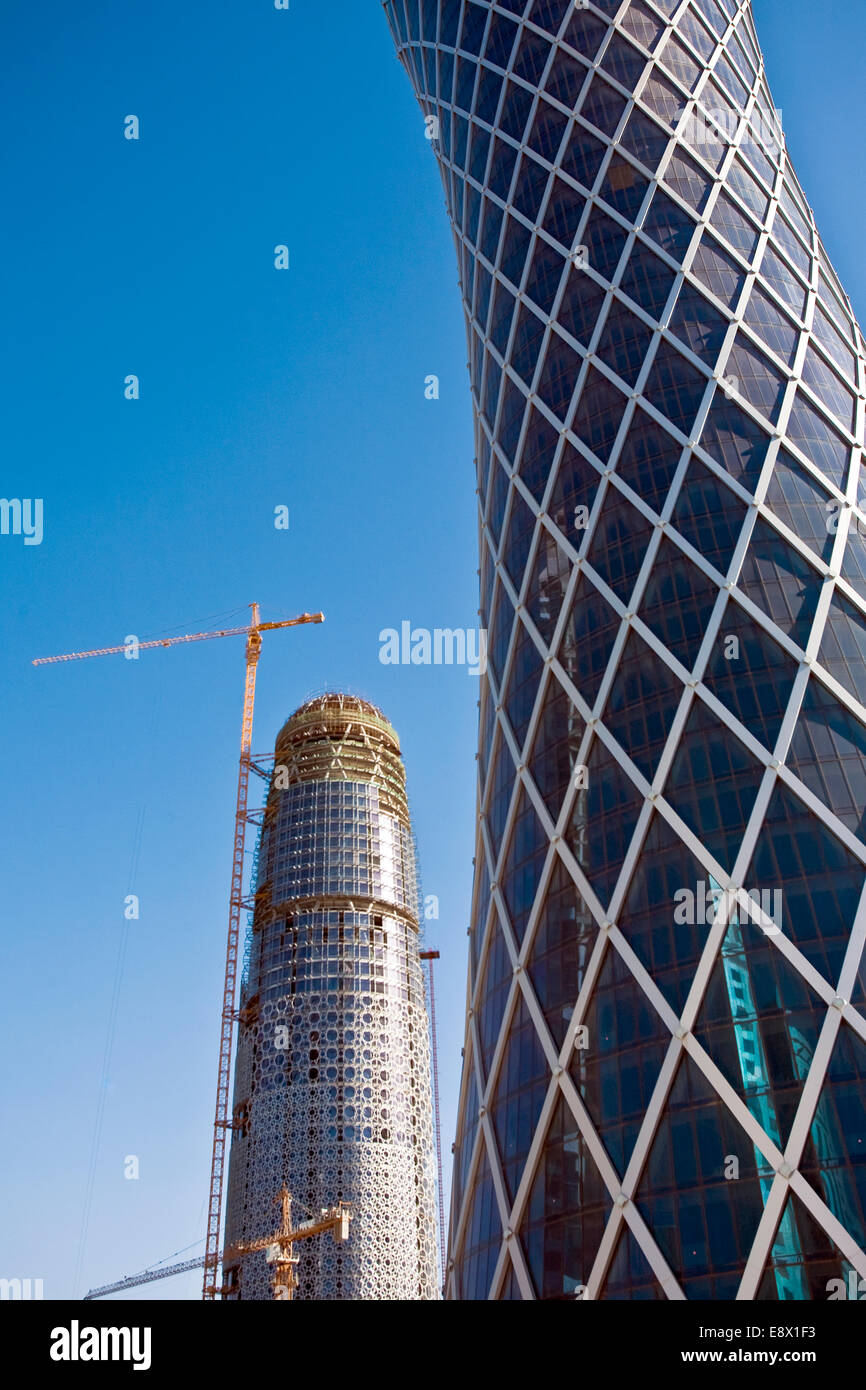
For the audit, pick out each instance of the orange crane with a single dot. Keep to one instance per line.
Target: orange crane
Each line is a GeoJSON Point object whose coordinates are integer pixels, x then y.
{"type": "Point", "coordinates": [335, 1218]}
{"type": "Point", "coordinates": [253, 633]}
{"type": "Point", "coordinates": [279, 1245]}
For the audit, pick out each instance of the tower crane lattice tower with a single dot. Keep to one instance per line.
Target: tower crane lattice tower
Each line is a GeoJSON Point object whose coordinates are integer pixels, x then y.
{"type": "Point", "coordinates": [253, 633]}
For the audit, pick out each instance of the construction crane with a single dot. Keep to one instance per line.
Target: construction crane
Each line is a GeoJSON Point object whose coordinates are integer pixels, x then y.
{"type": "Point", "coordinates": [148, 1276]}
{"type": "Point", "coordinates": [284, 1281]}
{"type": "Point", "coordinates": [278, 1247]}
{"type": "Point", "coordinates": [253, 633]}
{"type": "Point", "coordinates": [431, 956]}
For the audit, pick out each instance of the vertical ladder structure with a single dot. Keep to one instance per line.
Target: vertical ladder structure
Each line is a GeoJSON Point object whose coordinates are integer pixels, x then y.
{"type": "Point", "coordinates": [253, 633]}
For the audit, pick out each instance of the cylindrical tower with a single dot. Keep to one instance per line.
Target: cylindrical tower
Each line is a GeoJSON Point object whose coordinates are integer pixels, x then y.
{"type": "Point", "coordinates": [332, 1084]}
{"type": "Point", "coordinates": [666, 1037]}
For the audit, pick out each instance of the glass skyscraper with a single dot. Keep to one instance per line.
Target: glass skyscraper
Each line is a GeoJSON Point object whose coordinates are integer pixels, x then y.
{"type": "Point", "coordinates": [332, 1090]}
{"type": "Point", "coordinates": [662, 1091]}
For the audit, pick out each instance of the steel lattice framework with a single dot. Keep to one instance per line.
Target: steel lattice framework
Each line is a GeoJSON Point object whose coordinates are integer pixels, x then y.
{"type": "Point", "coordinates": [662, 1093]}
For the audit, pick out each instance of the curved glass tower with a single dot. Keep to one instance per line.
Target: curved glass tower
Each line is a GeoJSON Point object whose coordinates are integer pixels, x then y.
{"type": "Point", "coordinates": [332, 1085]}
{"type": "Point", "coordinates": [665, 1052]}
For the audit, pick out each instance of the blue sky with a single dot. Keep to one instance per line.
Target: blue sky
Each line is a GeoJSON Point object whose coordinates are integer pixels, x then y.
{"type": "Point", "coordinates": [259, 388]}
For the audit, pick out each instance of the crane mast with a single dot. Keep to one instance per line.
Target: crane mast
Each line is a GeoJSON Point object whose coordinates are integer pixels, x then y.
{"type": "Point", "coordinates": [253, 633]}
{"type": "Point", "coordinates": [227, 1024]}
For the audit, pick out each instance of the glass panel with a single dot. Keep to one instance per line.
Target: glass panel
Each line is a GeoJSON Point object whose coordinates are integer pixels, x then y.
{"type": "Point", "coordinates": [530, 188]}
{"type": "Point", "coordinates": [642, 23]}
{"type": "Point", "coordinates": [564, 940]}
{"type": "Point", "coordinates": [483, 1238]}
{"type": "Point", "coordinates": [644, 139]}
{"type": "Point", "coordinates": [616, 1072]}
{"type": "Point", "coordinates": [500, 633]}
{"type": "Point", "coordinates": [556, 746]}
{"type": "Point", "coordinates": [524, 862]}
{"type": "Point", "coordinates": [559, 376]}
{"type": "Point", "coordinates": [828, 753]}
{"type": "Point", "coordinates": [604, 240]}
{"type": "Point", "coordinates": [718, 271]}
{"type": "Point", "coordinates": [647, 280]}
{"type": "Point", "coordinates": [585, 32]}
{"type": "Point", "coordinates": [829, 389]}
{"type": "Point", "coordinates": [527, 343]}
{"type": "Point", "coordinates": [832, 1161]}
{"type": "Point", "coordinates": [797, 498]}
{"type": "Point", "coordinates": [550, 573]}
{"type": "Point", "coordinates": [583, 157]}
{"type": "Point", "coordinates": [803, 1260]}
{"type": "Point", "coordinates": [588, 639]}
{"type": "Point", "coordinates": [623, 61]}
{"type": "Point", "coordinates": [783, 281]}
{"type": "Point", "coordinates": [523, 679]}
{"type": "Point", "coordinates": [686, 178]}
{"type": "Point", "coordinates": [544, 276]}
{"type": "Point", "coordinates": [573, 495]}
{"type": "Point", "coordinates": [781, 582]}
{"type": "Point", "coordinates": [648, 459]}
{"type": "Point", "coordinates": [630, 1276]}
{"type": "Point", "coordinates": [827, 450]}
{"type": "Point", "coordinates": [667, 940]}
{"type": "Point", "coordinates": [500, 39]}
{"type": "Point", "coordinates": [713, 784]}
{"type": "Point", "coordinates": [709, 515]}
{"type": "Point", "coordinates": [565, 78]}
{"type": "Point", "coordinates": [679, 61]}
{"type": "Point", "coordinates": [704, 1224]}
{"type": "Point", "coordinates": [623, 187]}
{"type": "Point", "coordinates": [566, 1213]}
{"type": "Point", "coordinates": [820, 881]}
{"type": "Point", "coordinates": [603, 105]}
{"type": "Point", "coordinates": [495, 985]}
{"type": "Point", "coordinates": [755, 379]}
{"type": "Point", "coordinates": [619, 543]}
{"type": "Point", "coordinates": [776, 329]}
{"type": "Point", "coordinates": [700, 326]}
{"type": "Point", "coordinates": [624, 342]}
{"type": "Point", "coordinates": [669, 224]}
{"type": "Point", "coordinates": [751, 674]}
{"type": "Point", "coordinates": [642, 704]}
{"type": "Point", "coordinates": [843, 646]}
{"type": "Point", "coordinates": [564, 211]}
{"type": "Point", "coordinates": [547, 131]}
{"type": "Point", "coordinates": [603, 817]}
{"type": "Point", "coordinates": [736, 441]}
{"type": "Point", "coordinates": [678, 602]}
{"type": "Point", "coordinates": [598, 414]}
{"type": "Point", "coordinates": [580, 307]}
{"type": "Point", "coordinates": [536, 457]}
{"type": "Point", "coordinates": [759, 1021]}
{"type": "Point", "coordinates": [675, 387]}
{"type": "Point", "coordinates": [515, 245]}
{"type": "Point", "coordinates": [520, 1090]}
{"type": "Point", "coordinates": [521, 522]}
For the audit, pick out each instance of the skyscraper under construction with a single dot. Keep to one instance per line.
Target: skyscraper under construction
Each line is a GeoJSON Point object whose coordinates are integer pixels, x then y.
{"type": "Point", "coordinates": [332, 1085]}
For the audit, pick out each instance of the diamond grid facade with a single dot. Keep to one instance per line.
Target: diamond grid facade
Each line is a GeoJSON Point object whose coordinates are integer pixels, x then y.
{"type": "Point", "coordinates": [332, 1091]}
{"type": "Point", "coordinates": [662, 1093]}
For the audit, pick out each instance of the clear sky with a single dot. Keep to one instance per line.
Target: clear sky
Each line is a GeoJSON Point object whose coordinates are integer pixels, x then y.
{"type": "Point", "coordinates": [259, 388]}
